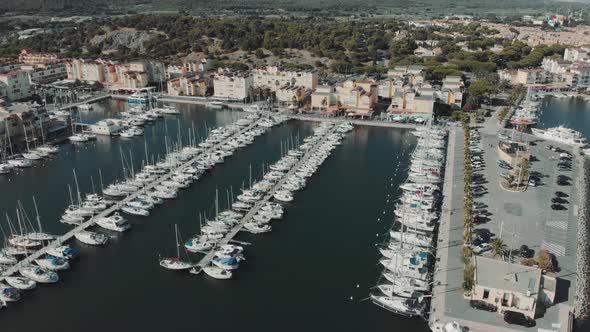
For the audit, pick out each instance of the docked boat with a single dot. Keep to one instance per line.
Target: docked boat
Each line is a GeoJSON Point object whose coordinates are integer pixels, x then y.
{"type": "Point", "coordinates": [38, 274]}
{"type": "Point", "coordinates": [226, 263]}
{"type": "Point", "coordinates": [174, 263]}
{"type": "Point", "coordinates": [114, 223]}
{"type": "Point", "coordinates": [21, 283]}
{"type": "Point", "coordinates": [134, 211]}
{"type": "Point", "coordinates": [8, 293]}
{"type": "Point", "coordinates": [53, 263]}
{"type": "Point", "coordinates": [561, 135]}
{"type": "Point", "coordinates": [400, 305]}
{"type": "Point", "coordinates": [66, 252]}
{"type": "Point", "coordinates": [217, 272]}
{"type": "Point", "coordinates": [6, 258]}
{"type": "Point", "coordinates": [91, 238]}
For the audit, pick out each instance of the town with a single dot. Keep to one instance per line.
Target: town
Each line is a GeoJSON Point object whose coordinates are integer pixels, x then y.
{"type": "Point", "coordinates": [444, 158]}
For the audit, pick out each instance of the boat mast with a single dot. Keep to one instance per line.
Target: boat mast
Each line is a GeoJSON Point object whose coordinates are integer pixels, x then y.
{"type": "Point", "coordinates": [216, 202]}
{"type": "Point", "coordinates": [26, 139]}
{"type": "Point", "coordinates": [176, 238]}
{"type": "Point", "coordinates": [38, 217]}
{"type": "Point", "coordinates": [8, 134]}
{"type": "Point", "coordinates": [77, 188]}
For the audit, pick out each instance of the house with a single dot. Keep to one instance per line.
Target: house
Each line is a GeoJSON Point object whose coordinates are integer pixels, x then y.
{"type": "Point", "coordinates": [174, 71]}
{"type": "Point", "coordinates": [231, 85]}
{"type": "Point", "coordinates": [512, 287]}
{"type": "Point", "coordinates": [513, 153]}
{"type": "Point", "coordinates": [274, 77]}
{"type": "Point", "coordinates": [425, 52]}
{"type": "Point", "coordinates": [197, 62]}
{"type": "Point", "coordinates": [576, 54]}
{"type": "Point", "coordinates": [15, 83]}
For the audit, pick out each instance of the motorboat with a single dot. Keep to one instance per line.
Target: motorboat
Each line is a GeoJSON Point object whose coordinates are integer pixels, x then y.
{"type": "Point", "coordinates": [561, 135]}
{"type": "Point", "coordinates": [91, 238]}
{"type": "Point", "coordinates": [256, 228]}
{"type": "Point", "coordinates": [283, 196]}
{"type": "Point", "coordinates": [21, 283]}
{"type": "Point", "coordinates": [198, 244]}
{"type": "Point", "coordinates": [6, 258]}
{"type": "Point", "coordinates": [400, 305]}
{"type": "Point", "coordinates": [38, 274]}
{"type": "Point", "coordinates": [20, 162]}
{"type": "Point", "coordinates": [217, 272]}
{"type": "Point", "coordinates": [53, 263]}
{"type": "Point", "coordinates": [114, 223]}
{"type": "Point", "coordinates": [226, 263]}
{"type": "Point", "coordinates": [134, 211]}
{"type": "Point", "coordinates": [72, 219]}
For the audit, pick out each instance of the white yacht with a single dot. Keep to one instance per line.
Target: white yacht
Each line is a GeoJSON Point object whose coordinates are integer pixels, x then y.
{"type": "Point", "coordinates": [561, 135]}
{"type": "Point", "coordinates": [91, 238]}
{"type": "Point", "coordinates": [53, 263]}
{"type": "Point", "coordinates": [113, 223]}
{"type": "Point", "coordinates": [174, 263]}
{"type": "Point", "coordinates": [217, 272]}
{"type": "Point", "coordinates": [107, 127]}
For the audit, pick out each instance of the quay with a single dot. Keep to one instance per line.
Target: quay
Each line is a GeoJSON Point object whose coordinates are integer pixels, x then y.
{"type": "Point", "coordinates": [234, 231]}
{"type": "Point", "coordinates": [94, 99]}
{"type": "Point", "coordinates": [517, 218]}
{"type": "Point", "coordinates": [91, 222]}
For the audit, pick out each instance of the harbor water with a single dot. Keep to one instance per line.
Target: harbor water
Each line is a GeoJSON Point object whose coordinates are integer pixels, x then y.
{"type": "Point", "coordinates": [312, 272]}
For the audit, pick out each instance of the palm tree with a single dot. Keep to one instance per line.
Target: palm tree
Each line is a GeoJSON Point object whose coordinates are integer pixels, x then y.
{"type": "Point", "coordinates": [498, 247]}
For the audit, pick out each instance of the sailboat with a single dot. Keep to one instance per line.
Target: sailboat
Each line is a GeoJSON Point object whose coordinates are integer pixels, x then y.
{"type": "Point", "coordinates": [21, 283]}
{"type": "Point", "coordinates": [174, 263]}
{"type": "Point", "coordinates": [39, 236]}
{"type": "Point", "coordinates": [30, 155]}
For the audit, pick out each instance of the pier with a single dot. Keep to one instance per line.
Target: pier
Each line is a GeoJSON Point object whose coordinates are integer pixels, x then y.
{"type": "Point", "coordinates": [92, 221]}
{"type": "Point", "coordinates": [87, 101]}
{"type": "Point", "coordinates": [234, 231]}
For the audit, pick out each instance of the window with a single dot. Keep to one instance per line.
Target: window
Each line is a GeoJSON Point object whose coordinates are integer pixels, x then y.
{"type": "Point", "coordinates": [486, 293]}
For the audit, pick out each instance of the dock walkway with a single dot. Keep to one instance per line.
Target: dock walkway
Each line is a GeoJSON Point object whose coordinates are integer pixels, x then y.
{"type": "Point", "coordinates": [234, 231]}
{"type": "Point", "coordinates": [92, 221]}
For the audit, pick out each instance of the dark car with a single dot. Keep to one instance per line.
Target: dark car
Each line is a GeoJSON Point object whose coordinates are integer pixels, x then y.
{"type": "Point", "coordinates": [524, 251]}
{"type": "Point", "coordinates": [563, 177]}
{"type": "Point", "coordinates": [482, 305]}
{"type": "Point", "coordinates": [562, 183]}
{"type": "Point", "coordinates": [513, 317]}
{"type": "Point", "coordinates": [561, 194]}
{"type": "Point", "coordinates": [558, 200]}
{"type": "Point", "coordinates": [558, 207]}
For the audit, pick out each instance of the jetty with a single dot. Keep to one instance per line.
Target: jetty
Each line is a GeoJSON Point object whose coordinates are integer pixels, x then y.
{"type": "Point", "coordinates": [239, 226]}
{"type": "Point", "coordinates": [92, 221]}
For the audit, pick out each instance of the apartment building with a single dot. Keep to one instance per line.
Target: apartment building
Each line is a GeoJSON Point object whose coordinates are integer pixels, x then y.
{"type": "Point", "coordinates": [412, 104]}
{"type": "Point", "coordinates": [232, 85]}
{"type": "Point", "coordinates": [43, 73]}
{"type": "Point", "coordinates": [324, 97]}
{"type": "Point", "coordinates": [357, 98]}
{"type": "Point", "coordinates": [576, 54]}
{"type": "Point", "coordinates": [526, 76]}
{"type": "Point", "coordinates": [87, 70]}
{"type": "Point", "coordinates": [15, 83]}
{"type": "Point", "coordinates": [191, 85]}
{"type": "Point", "coordinates": [275, 77]}
{"type": "Point", "coordinates": [292, 94]}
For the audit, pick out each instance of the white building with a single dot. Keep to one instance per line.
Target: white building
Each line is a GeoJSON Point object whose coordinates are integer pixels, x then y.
{"type": "Point", "coordinates": [576, 54]}
{"type": "Point", "coordinates": [232, 85]}
{"type": "Point", "coordinates": [15, 83]}
{"type": "Point", "coordinates": [275, 77]}
{"type": "Point", "coordinates": [43, 73]}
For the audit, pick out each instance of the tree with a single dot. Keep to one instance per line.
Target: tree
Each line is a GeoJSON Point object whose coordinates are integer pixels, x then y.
{"type": "Point", "coordinates": [498, 247]}
{"type": "Point", "coordinates": [479, 90]}
{"type": "Point", "coordinates": [545, 260]}
{"type": "Point", "coordinates": [468, 277]}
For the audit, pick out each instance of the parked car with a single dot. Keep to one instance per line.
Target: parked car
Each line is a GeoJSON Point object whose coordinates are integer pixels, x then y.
{"type": "Point", "coordinates": [482, 305]}
{"type": "Point", "coordinates": [558, 207]}
{"type": "Point", "coordinates": [524, 251]}
{"type": "Point", "coordinates": [559, 200]}
{"type": "Point", "coordinates": [561, 194]}
{"type": "Point", "coordinates": [532, 183]}
{"type": "Point", "coordinates": [518, 318]}
{"type": "Point", "coordinates": [480, 249]}
{"type": "Point", "coordinates": [506, 167]}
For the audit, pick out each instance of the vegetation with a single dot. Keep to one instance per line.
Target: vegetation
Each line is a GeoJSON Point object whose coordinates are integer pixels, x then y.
{"type": "Point", "coordinates": [544, 260]}
{"type": "Point", "coordinates": [498, 247]}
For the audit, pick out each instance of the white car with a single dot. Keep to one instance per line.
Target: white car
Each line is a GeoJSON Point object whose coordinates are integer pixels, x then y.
{"type": "Point", "coordinates": [503, 136]}
{"type": "Point", "coordinates": [480, 249]}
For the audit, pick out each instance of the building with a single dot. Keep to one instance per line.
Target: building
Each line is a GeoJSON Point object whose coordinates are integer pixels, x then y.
{"type": "Point", "coordinates": [292, 94]}
{"type": "Point", "coordinates": [15, 83]}
{"type": "Point", "coordinates": [324, 97]}
{"type": "Point", "coordinates": [28, 57]}
{"type": "Point", "coordinates": [451, 92]}
{"type": "Point", "coordinates": [274, 77]}
{"type": "Point", "coordinates": [411, 104]}
{"type": "Point", "coordinates": [388, 87]}
{"type": "Point", "coordinates": [232, 85]}
{"type": "Point", "coordinates": [15, 118]}
{"type": "Point", "coordinates": [357, 98]}
{"type": "Point", "coordinates": [190, 85]}
{"type": "Point", "coordinates": [86, 70]}
{"type": "Point", "coordinates": [512, 287]}
{"type": "Point", "coordinates": [576, 54]}
{"type": "Point", "coordinates": [197, 62]}
{"type": "Point", "coordinates": [174, 71]}
{"type": "Point", "coordinates": [425, 52]}
{"type": "Point", "coordinates": [43, 73]}
{"type": "Point", "coordinates": [513, 153]}
{"type": "Point", "coordinates": [526, 76]}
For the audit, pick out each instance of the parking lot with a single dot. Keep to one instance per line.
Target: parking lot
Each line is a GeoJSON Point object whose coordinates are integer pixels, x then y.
{"type": "Point", "coordinates": [518, 218]}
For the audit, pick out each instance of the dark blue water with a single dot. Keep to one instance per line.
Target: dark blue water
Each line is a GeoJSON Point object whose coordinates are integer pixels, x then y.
{"type": "Point", "coordinates": [299, 277]}
{"type": "Point", "coordinates": [571, 112]}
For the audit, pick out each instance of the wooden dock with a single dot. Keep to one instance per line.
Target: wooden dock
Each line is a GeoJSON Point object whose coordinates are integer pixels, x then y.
{"type": "Point", "coordinates": [92, 221]}
{"type": "Point", "coordinates": [236, 229]}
